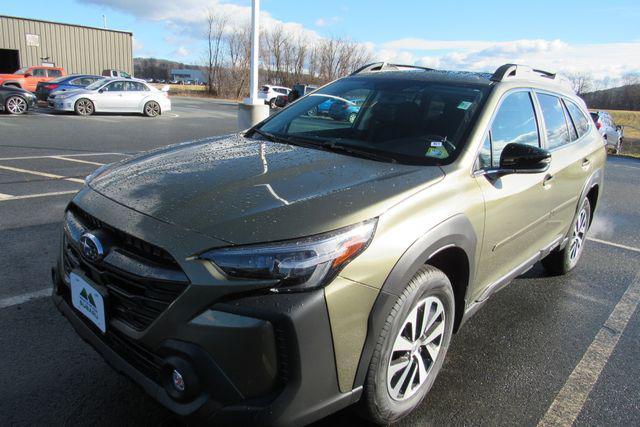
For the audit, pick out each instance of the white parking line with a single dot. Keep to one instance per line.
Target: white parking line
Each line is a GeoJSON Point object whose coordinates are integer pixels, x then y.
{"type": "Point", "coordinates": [36, 196]}
{"type": "Point", "coordinates": [616, 245]}
{"type": "Point", "coordinates": [570, 400]}
{"type": "Point", "coordinates": [5, 196]}
{"type": "Point", "coordinates": [65, 155]}
{"type": "Point", "coordinates": [21, 299]}
{"type": "Point", "coordinates": [77, 160]}
{"type": "Point", "coordinates": [45, 174]}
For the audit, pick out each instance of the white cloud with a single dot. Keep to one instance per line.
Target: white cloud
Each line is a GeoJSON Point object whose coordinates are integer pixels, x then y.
{"type": "Point", "coordinates": [181, 52]}
{"type": "Point", "coordinates": [137, 46]}
{"type": "Point", "coordinates": [325, 22]}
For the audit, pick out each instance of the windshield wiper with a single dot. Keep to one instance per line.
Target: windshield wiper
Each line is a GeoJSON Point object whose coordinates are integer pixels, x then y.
{"type": "Point", "coordinates": [283, 139]}
{"type": "Point", "coordinates": [333, 146]}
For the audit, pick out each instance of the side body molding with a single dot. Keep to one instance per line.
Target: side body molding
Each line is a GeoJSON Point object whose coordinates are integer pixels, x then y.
{"type": "Point", "coordinates": [456, 231]}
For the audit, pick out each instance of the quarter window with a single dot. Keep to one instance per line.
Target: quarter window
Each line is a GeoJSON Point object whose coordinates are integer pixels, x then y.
{"type": "Point", "coordinates": [54, 73]}
{"type": "Point", "coordinates": [554, 119]}
{"type": "Point", "coordinates": [515, 122]}
{"type": "Point", "coordinates": [39, 72]}
{"type": "Point", "coordinates": [579, 119]}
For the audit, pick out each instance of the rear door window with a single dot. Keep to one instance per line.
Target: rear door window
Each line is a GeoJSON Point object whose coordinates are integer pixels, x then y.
{"type": "Point", "coordinates": [557, 131]}
{"type": "Point", "coordinates": [54, 73]}
{"type": "Point", "coordinates": [39, 72]}
{"type": "Point", "coordinates": [580, 121]}
{"type": "Point", "coordinates": [515, 122]}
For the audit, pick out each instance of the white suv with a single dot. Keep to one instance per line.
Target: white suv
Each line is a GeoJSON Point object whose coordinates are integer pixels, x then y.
{"type": "Point", "coordinates": [269, 93]}
{"type": "Point", "coordinates": [611, 133]}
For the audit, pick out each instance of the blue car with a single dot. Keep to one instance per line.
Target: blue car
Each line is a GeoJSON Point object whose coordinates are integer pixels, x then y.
{"type": "Point", "coordinates": [72, 82]}
{"type": "Point", "coordinates": [338, 109]}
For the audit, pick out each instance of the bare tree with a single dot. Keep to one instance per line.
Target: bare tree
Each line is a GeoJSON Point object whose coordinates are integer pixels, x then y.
{"type": "Point", "coordinates": [582, 82]}
{"type": "Point", "coordinates": [216, 27]}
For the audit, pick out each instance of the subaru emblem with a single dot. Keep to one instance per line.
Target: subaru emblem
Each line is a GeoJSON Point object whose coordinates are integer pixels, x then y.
{"type": "Point", "coordinates": [91, 246]}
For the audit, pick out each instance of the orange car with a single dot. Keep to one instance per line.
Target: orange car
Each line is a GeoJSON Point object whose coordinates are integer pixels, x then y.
{"type": "Point", "coordinates": [29, 77]}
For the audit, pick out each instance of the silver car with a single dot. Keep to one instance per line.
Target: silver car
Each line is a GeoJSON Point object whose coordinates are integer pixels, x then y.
{"type": "Point", "coordinates": [611, 133]}
{"type": "Point", "coordinates": [113, 95]}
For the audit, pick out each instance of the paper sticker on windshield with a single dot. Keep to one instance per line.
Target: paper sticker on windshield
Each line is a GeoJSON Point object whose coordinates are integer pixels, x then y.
{"type": "Point", "coordinates": [436, 143]}
{"type": "Point", "coordinates": [464, 105]}
{"type": "Point", "coordinates": [437, 152]}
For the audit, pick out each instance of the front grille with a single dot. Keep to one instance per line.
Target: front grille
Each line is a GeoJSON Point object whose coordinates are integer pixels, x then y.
{"type": "Point", "coordinates": [141, 279]}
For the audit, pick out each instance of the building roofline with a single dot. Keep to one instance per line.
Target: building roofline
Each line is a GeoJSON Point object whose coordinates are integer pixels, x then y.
{"type": "Point", "coordinates": [67, 24]}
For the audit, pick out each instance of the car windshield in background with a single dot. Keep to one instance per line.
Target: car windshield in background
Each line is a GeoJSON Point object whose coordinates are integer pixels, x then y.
{"type": "Point", "coordinates": [21, 71]}
{"type": "Point", "coordinates": [401, 120]}
{"type": "Point", "coordinates": [96, 84]}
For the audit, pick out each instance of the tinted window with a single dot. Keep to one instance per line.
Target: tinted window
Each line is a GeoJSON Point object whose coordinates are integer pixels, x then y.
{"type": "Point", "coordinates": [515, 122]}
{"type": "Point", "coordinates": [573, 133]}
{"type": "Point", "coordinates": [39, 72]}
{"type": "Point", "coordinates": [54, 73]}
{"type": "Point", "coordinates": [115, 87]}
{"type": "Point", "coordinates": [580, 121]}
{"type": "Point", "coordinates": [554, 120]}
{"type": "Point", "coordinates": [410, 120]}
{"type": "Point", "coordinates": [136, 87]}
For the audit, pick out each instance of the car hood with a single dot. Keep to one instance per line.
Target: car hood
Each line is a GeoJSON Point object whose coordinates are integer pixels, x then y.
{"type": "Point", "coordinates": [243, 190]}
{"type": "Point", "coordinates": [70, 92]}
{"type": "Point", "coordinates": [11, 76]}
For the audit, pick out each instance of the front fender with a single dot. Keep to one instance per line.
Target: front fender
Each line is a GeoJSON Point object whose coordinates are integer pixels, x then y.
{"type": "Point", "coordinates": [456, 231]}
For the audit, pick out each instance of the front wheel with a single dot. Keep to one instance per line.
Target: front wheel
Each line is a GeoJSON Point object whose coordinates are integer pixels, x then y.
{"type": "Point", "coordinates": [16, 105]}
{"type": "Point", "coordinates": [152, 109]}
{"type": "Point", "coordinates": [84, 107]}
{"type": "Point", "coordinates": [561, 262]}
{"type": "Point", "coordinates": [411, 348]}
{"type": "Point", "coordinates": [272, 103]}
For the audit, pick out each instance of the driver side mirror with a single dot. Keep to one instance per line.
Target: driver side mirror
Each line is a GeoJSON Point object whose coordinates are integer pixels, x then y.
{"type": "Point", "coordinates": [101, 91]}
{"type": "Point", "coordinates": [27, 74]}
{"type": "Point", "coordinates": [522, 158]}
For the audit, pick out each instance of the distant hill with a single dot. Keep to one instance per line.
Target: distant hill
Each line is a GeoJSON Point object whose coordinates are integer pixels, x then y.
{"type": "Point", "coordinates": [159, 69]}
{"type": "Point", "coordinates": [617, 98]}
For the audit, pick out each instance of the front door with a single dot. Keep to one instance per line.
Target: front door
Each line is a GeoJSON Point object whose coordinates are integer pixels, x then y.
{"type": "Point", "coordinates": [516, 205]}
{"type": "Point", "coordinates": [111, 97]}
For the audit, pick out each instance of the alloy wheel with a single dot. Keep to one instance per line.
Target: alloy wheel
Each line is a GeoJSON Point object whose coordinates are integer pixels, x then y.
{"type": "Point", "coordinates": [578, 235]}
{"type": "Point", "coordinates": [416, 348]}
{"type": "Point", "coordinates": [152, 109]}
{"type": "Point", "coordinates": [84, 107]}
{"type": "Point", "coordinates": [16, 105]}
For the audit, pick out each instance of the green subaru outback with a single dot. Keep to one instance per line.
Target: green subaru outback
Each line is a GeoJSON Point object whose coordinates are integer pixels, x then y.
{"type": "Point", "coordinates": [310, 263]}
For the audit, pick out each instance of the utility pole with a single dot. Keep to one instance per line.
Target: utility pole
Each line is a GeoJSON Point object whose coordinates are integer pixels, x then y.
{"type": "Point", "coordinates": [253, 110]}
{"type": "Point", "coordinates": [104, 21]}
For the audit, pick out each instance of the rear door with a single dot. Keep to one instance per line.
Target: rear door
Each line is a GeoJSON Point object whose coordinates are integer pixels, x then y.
{"type": "Point", "coordinates": [135, 95]}
{"type": "Point", "coordinates": [566, 130]}
{"type": "Point", "coordinates": [516, 207]}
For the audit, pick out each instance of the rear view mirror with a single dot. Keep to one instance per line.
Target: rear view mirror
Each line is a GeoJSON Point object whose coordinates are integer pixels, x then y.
{"type": "Point", "coordinates": [522, 158]}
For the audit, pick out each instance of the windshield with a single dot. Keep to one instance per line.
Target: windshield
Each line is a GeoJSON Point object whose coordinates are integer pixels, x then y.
{"type": "Point", "coordinates": [403, 120]}
{"type": "Point", "coordinates": [96, 84]}
{"type": "Point", "coordinates": [21, 70]}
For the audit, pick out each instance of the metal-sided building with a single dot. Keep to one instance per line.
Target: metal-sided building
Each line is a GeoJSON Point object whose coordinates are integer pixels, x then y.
{"type": "Point", "coordinates": [78, 49]}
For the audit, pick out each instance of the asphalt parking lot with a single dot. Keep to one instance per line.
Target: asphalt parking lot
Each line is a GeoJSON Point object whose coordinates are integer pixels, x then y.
{"type": "Point", "coordinates": [544, 351]}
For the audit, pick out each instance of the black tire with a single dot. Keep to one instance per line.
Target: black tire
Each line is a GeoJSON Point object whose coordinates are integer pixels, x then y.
{"type": "Point", "coordinates": [16, 105]}
{"type": "Point", "coordinates": [272, 103]}
{"type": "Point", "coordinates": [560, 262]}
{"type": "Point", "coordinates": [151, 109]}
{"type": "Point", "coordinates": [377, 403]}
{"type": "Point", "coordinates": [84, 107]}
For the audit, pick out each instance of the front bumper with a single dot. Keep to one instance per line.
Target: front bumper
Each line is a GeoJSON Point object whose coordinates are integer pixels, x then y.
{"type": "Point", "coordinates": [60, 104]}
{"type": "Point", "coordinates": [261, 360]}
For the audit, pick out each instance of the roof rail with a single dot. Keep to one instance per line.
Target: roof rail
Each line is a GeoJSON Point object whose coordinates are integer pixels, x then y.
{"type": "Point", "coordinates": [385, 66]}
{"type": "Point", "coordinates": [514, 71]}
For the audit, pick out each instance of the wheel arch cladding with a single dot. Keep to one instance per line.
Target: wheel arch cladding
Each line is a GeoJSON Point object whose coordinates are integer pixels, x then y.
{"type": "Point", "coordinates": [448, 245]}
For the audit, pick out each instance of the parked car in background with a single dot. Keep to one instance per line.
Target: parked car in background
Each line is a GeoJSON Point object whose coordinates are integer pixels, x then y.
{"type": "Point", "coordinates": [337, 108]}
{"type": "Point", "coordinates": [115, 96]}
{"type": "Point", "coordinates": [269, 93]}
{"type": "Point", "coordinates": [115, 73]}
{"type": "Point", "coordinates": [296, 92]}
{"type": "Point", "coordinates": [612, 134]}
{"type": "Point", "coordinates": [29, 77]}
{"type": "Point", "coordinates": [63, 84]}
{"type": "Point", "coordinates": [15, 100]}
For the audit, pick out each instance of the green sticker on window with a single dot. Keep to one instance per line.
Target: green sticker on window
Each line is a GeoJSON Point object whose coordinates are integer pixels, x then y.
{"type": "Point", "coordinates": [437, 152]}
{"type": "Point", "coordinates": [464, 105]}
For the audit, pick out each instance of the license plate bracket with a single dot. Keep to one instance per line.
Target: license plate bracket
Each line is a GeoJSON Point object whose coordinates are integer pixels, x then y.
{"type": "Point", "coordinates": [89, 300]}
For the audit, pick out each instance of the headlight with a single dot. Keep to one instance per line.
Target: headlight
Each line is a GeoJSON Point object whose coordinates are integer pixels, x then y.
{"type": "Point", "coordinates": [297, 265]}
{"type": "Point", "coordinates": [96, 173]}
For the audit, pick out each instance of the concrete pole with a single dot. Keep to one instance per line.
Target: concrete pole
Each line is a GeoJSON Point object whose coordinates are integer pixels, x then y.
{"type": "Point", "coordinates": [253, 110]}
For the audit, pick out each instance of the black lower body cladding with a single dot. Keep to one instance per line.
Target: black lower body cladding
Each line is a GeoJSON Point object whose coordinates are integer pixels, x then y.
{"type": "Point", "coordinates": [305, 386]}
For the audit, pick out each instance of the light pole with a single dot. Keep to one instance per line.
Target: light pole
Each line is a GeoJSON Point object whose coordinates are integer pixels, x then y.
{"type": "Point", "coordinates": [253, 109]}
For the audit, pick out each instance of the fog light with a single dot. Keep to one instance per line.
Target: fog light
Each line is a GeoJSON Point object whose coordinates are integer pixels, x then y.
{"type": "Point", "coordinates": [178, 381]}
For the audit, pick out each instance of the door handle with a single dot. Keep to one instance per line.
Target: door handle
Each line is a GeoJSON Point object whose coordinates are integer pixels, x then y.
{"type": "Point", "coordinates": [548, 181]}
{"type": "Point", "coordinates": [586, 163]}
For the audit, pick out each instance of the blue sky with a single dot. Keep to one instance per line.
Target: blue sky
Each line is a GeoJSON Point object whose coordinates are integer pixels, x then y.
{"type": "Point", "coordinates": [602, 37]}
